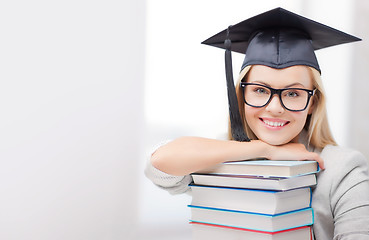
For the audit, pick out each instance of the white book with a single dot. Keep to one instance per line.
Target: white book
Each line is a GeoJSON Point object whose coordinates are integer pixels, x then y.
{"type": "Point", "coordinates": [206, 231]}
{"type": "Point", "coordinates": [252, 221]}
{"type": "Point", "coordinates": [255, 182]}
{"type": "Point", "coordinates": [251, 200]}
{"type": "Point", "coordinates": [266, 168]}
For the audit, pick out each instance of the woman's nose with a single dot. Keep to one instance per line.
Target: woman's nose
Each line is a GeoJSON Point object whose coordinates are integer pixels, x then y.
{"type": "Point", "coordinates": [275, 105]}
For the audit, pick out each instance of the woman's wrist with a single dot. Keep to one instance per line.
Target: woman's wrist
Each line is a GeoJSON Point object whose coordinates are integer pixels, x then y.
{"type": "Point", "coordinates": [257, 149]}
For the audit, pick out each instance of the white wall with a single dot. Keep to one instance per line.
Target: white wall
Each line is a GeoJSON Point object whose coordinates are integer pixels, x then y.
{"type": "Point", "coordinates": [71, 104]}
{"type": "Point", "coordinates": [359, 111]}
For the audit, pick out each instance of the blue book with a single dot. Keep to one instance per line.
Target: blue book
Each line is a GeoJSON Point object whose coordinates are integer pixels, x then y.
{"type": "Point", "coordinates": [255, 182]}
{"type": "Point", "coordinates": [250, 220]}
{"type": "Point", "coordinates": [251, 200]}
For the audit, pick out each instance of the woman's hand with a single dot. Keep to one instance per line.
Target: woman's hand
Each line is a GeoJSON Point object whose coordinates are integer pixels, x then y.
{"type": "Point", "coordinates": [293, 151]}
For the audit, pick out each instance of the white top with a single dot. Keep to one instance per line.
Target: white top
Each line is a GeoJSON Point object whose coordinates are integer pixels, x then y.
{"type": "Point", "coordinates": [340, 199]}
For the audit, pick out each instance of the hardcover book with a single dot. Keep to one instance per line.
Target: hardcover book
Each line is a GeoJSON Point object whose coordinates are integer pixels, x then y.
{"type": "Point", "coordinates": [251, 200]}
{"type": "Point", "coordinates": [252, 221]}
{"type": "Point", "coordinates": [255, 182]}
{"type": "Point", "coordinates": [202, 231]}
{"type": "Point", "coordinates": [266, 168]}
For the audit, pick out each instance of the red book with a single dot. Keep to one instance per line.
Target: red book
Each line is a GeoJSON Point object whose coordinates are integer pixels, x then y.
{"type": "Point", "coordinates": [203, 231]}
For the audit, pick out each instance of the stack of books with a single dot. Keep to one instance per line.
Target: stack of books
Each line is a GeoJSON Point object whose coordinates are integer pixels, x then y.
{"type": "Point", "coordinates": [260, 199]}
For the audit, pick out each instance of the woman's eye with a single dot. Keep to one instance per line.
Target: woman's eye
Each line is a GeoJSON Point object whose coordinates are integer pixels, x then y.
{"type": "Point", "coordinates": [261, 91]}
{"type": "Point", "coordinates": [292, 94]}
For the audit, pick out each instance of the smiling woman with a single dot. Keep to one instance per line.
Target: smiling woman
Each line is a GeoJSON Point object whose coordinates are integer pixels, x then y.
{"type": "Point", "coordinates": [282, 110]}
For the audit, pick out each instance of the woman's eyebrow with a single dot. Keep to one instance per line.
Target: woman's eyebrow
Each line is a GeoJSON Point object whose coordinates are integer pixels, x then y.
{"type": "Point", "coordinates": [261, 82]}
{"type": "Point", "coordinates": [294, 84]}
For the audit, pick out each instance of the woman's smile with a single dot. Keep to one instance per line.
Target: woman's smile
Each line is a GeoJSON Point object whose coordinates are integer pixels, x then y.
{"type": "Point", "coordinates": [274, 124]}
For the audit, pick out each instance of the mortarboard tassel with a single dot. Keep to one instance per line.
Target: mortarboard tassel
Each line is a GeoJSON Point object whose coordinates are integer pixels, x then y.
{"type": "Point", "coordinates": [238, 133]}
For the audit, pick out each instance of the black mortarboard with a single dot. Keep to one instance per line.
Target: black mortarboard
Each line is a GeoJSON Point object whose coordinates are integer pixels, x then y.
{"type": "Point", "coordinates": [278, 39]}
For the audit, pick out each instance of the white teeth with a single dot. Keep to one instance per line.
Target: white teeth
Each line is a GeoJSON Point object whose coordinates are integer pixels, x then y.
{"type": "Point", "coordinates": [274, 124]}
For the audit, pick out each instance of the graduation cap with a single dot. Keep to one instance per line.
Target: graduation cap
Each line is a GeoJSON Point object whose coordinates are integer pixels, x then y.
{"type": "Point", "coordinates": [278, 39]}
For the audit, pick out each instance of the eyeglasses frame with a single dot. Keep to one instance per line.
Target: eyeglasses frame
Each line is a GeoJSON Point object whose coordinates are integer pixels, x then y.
{"type": "Point", "coordinates": [279, 93]}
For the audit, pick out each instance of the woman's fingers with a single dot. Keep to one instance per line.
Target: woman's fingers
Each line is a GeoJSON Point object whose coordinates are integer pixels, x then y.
{"type": "Point", "coordinates": [295, 151]}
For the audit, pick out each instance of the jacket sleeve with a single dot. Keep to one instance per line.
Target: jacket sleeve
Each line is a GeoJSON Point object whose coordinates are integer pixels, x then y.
{"type": "Point", "coordinates": [350, 198]}
{"type": "Point", "coordinates": [170, 183]}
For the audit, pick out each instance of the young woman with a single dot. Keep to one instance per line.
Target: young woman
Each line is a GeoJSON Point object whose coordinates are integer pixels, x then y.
{"type": "Point", "coordinates": [282, 109]}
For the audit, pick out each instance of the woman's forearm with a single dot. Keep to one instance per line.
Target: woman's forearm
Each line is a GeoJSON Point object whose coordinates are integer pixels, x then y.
{"type": "Point", "coordinates": [189, 154]}
{"type": "Point", "coordinates": [186, 155]}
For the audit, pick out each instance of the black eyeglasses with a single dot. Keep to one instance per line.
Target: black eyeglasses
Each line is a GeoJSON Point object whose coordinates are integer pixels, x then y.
{"type": "Point", "coordinates": [292, 99]}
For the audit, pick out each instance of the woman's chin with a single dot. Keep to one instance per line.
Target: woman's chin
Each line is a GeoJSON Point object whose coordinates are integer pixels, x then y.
{"type": "Point", "coordinates": [275, 142]}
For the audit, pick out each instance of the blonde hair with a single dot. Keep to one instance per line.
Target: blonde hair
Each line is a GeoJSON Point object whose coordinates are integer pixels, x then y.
{"type": "Point", "coordinates": [318, 131]}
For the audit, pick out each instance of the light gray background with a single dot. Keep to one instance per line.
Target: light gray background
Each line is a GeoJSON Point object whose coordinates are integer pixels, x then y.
{"type": "Point", "coordinates": [87, 87]}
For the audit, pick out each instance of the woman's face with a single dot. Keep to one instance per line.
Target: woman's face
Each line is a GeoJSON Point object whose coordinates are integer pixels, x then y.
{"type": "Point", "coordinates": [273, 123]}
